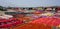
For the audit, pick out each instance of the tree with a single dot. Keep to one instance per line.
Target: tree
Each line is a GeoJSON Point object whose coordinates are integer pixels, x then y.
{"type": "Point", "coordinates": [1, 8]}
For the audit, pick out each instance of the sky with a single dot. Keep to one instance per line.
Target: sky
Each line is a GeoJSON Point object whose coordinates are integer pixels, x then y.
{"type": "Point", "coordinates": [29, 3]}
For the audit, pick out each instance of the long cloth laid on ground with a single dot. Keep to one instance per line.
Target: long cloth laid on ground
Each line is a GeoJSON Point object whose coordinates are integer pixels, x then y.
{"type": "Point", "coordinates": [41, 23]}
